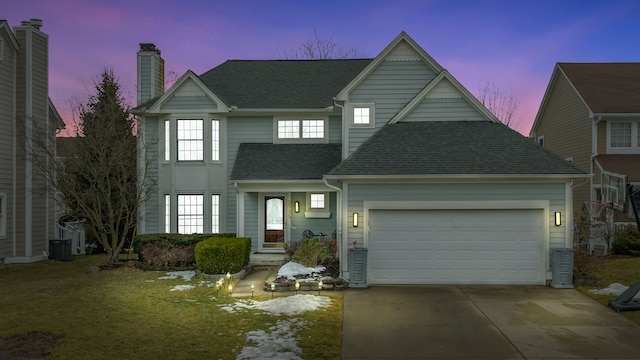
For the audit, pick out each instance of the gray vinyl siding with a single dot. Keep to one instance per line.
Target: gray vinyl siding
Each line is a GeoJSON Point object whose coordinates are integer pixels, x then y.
{"type": "Point", "coordinates": [390, 86]}
{"type": "Point", "coordinates": [144, 88]}
{"type": "Point", "coordinates": [335, 129]}
{"type": "Point", "coordinates": [251, 218]}
{"type": "Point", "coordinates": [300, 223]}
{"type": "Point", "coordinates": [553, 192]}
{"type": "Point", "coordinates": [152, 204]}
{"type": "Point", "coordinates": [566, 128]}
{"type": "Point", "coordinates": [178, 103]}
{"type": "Point", "coordinates": [444, 110]}
{"type": "Point", "coordinates": [243, 129]}
{"type": "Point", "coordinates": [7, 120]}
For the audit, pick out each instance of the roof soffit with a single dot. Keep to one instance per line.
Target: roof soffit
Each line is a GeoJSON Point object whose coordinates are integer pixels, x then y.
{"type": "Point", "coordinates": [403, 47]}
{"type": "Point", "coordinates": [188, 85]}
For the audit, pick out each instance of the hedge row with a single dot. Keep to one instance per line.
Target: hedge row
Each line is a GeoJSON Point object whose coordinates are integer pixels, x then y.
{"type": "Point", "coordinates": [218, 255]}
{"type": "Point", "coordinates": [176, 240]}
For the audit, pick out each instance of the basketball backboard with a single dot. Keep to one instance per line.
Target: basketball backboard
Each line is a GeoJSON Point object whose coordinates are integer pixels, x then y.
{"type": "Point", "coordinates": [614, 189]}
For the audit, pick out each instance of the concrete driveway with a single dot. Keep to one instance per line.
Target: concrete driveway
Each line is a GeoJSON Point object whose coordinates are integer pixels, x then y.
{"type": "Point", "coordinates": [483, 322]}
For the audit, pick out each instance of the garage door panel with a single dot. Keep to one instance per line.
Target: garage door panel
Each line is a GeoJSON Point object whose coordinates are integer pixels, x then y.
{"type": "Point", "coordinates": [455, 246]}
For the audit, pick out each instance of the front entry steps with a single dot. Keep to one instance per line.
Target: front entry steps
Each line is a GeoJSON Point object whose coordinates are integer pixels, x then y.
{"type": "Point", "coordinates": [266, 260]}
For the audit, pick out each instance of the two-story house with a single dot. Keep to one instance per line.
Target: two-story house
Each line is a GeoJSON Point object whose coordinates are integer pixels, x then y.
{"type": "Point", "coordinates": [26, 116]}
{"type": "Point", "coordinates": [590, 115]}
{"type": "Point", "coordinates": [392, 154]}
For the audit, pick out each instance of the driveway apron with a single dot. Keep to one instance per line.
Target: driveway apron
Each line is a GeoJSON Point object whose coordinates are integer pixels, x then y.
{"type": "Point", "coordinates": [483, 322]}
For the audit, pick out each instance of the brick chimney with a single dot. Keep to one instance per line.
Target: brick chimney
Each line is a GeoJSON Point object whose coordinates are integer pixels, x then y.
{"type": "Point", "coordinates": [150, 73]}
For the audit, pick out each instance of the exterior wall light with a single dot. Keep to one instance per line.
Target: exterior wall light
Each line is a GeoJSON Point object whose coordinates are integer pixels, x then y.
{"type": "Point", "coordinates": [296, 206]}
{"type": "Point", "coordinates": [355, 219]}
{"type": "Point", "coordinates": [558, 221]}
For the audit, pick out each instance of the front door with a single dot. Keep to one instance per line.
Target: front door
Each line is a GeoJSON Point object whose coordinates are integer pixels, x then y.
{"type": "Point", "coordinates": [274, 222]}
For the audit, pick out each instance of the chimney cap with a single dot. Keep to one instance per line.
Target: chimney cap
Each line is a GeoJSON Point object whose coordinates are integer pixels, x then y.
{"type": "Point", "coordinates": [149, 47]}
{"type": "Point", "coordinates": [35, 23]}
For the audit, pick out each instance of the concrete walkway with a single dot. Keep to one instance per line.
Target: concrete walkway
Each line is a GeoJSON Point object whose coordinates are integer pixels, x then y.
{"type": "Point", "coordinates": [257, 278]}
{"type": "Point", "coordinates": [483, 322]}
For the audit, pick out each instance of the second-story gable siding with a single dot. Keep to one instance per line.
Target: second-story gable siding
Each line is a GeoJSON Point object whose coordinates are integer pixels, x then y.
{"type": "Point", "coordinates": [152, 211]}
{"type": "Point", "coordinates": [189, 103]}
{"type": "Point", "coordinates": [390, 86]}
{"type": "Point", "coordinates": [243, 129]}
{"type": "Point", "coordinates": [444, 110]}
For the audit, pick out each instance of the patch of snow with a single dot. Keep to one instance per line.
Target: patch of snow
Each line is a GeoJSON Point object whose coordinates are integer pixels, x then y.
{"type": "Point", "coordinates": [279, 343]}
{"type": "Point", "coordinates": [182, 287]}
{"type": "Point", "coordinates": [288, 305]}
{"type": "Point", "coordinates": [187, 275]}
{"type": "Point", "coordinates": [613, 289]}
{"type": "Point", "coordinates": [292, 269]}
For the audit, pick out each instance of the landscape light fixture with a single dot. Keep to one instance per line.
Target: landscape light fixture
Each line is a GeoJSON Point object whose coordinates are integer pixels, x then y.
{"type": "Point", "coordinates": [319, 286]}
{"type": "Point", "coordinates": [252, 288]}
{"type": "Point", "coordinates": [217, 287]}
{"type": "Point", "coordinates": [558, 218]}
{"type": "Point", "coordinates": [230, 288]}
{"type": "Point", "coordinates": [296, 206]}
{"type": "Point", "coordinates": [355, 219]}
{"type": "Point", "coordinates": [273, 288]}
{"type": "Point", "coordinates": [297, 286]}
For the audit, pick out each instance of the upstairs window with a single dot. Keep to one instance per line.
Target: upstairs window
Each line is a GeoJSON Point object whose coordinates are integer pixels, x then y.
{"type": "Point", "coordinates": [311, 129]}
{"type": "Point", "coordinates": [215, 140]}
{"type": "Point", "coordinates": [623, 137]}
{"type": "Point", "coordinates": [167, 140]}
{"type": "Point", "coordinates": [190, 140]}
{"type": "Point", "coordinates": [362, 115]}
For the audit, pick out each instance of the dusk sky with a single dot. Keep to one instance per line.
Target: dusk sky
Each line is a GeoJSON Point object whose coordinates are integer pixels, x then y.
{"type": "Point", "coordinates": [512, 44]}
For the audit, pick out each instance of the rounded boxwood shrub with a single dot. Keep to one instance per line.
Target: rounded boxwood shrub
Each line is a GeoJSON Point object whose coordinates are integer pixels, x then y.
{"type": "Point", "coordinates": [627, 242]}
{"type": "Point", "coordinates": [220, 255]}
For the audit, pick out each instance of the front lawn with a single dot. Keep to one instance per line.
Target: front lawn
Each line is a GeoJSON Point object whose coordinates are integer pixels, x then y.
{"type": "Point", "coordinates": [614, 269]}
{"type": "Point", "coordinates": [127, 313]}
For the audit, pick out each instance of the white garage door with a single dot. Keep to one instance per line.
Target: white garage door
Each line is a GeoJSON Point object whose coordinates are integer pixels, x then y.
{"type": "Point", "coordinates": [455, 247]}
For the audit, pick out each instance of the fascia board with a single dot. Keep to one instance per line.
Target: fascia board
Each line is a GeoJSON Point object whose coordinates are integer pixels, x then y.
{"type": "Point", "coordinates": [461, 177]}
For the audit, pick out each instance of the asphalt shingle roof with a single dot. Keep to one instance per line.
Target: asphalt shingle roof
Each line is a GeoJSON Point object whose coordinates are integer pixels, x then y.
{"type": "Point", "coordinates": [276, 84]}
{"type": "Point", "coordinates": [285, 161]}
{"type": "Point", "coordinates": [451, 147]}
{"type": "Point", "coordinates": [606, 87]}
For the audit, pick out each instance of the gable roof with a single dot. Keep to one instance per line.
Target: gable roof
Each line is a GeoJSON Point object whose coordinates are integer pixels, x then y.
{"type": "Point", "coordinates": [285, 161]}
{"type": "Point", "coordinates": [278, 84]}
{"type": "Point", "coordinates": [606, 87]}
{"type": "Point", "coordinates": [434, 149]}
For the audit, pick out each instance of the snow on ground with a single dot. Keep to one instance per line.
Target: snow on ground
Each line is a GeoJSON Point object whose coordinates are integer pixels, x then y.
{"type": "Point", "coordinates": [187, 275]}
{"type": "Point", "coordinates": [279, 343]}
{"type": "Point", "coordinates": [613, 289]}
{"type": "Point", "coordinates": [182, 287]}
{"type": "Point", "coordinates": [291, 269]}
{"type": "Point", "coordinates": [288, 305]}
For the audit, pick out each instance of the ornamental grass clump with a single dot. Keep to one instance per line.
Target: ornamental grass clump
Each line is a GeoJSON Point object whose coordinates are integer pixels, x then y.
{"type": "Point", "coordinates": [309, 252]}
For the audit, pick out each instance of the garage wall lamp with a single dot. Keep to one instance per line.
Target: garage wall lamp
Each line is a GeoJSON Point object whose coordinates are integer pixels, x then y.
{"type": "Point", "coordinates": [296, 206]}
{"type": "Point", "coordinates": [355, 219]}
{"type": "Point", "coordinates": [558, 218]}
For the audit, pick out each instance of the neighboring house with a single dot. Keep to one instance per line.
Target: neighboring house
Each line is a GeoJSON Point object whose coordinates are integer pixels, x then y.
{"type": "Point", "coordinates": [26, 112]}
{"type": "Point", "coordinates": [391, 153]}
{"type": "Point", "coordinates": [590, 115]}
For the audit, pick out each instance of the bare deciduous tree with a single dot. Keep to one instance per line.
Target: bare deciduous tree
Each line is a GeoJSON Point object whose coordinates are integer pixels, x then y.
{"type": "Point", "coordinates": [501, 104]}
{"type": "Point", "coordinates": [319, 48]}
{"type": "Point", "coordinates": [97, 180]}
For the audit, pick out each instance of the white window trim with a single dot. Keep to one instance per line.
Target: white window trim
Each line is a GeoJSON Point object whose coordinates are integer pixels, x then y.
{"type": "Point", "coordinates": [3, 215]}
{"type": "Point", "coordinates": [301, 140]}
{"type": "Point", "coordinates": [321, 213]}
{"type": "Point", "coordinates": [635, 144]}
{"type": "Point", "coordinates": [372, 115]}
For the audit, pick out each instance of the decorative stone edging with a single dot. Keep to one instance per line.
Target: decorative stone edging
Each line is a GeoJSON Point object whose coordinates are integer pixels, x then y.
{"type": "Point", "coordinates": [238, 276]}
{"type": "Point", "coordinates": [328, 284]}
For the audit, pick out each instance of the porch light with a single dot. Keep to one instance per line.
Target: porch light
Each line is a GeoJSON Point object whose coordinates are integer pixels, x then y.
{"type": "Point", "coordinates": [558, 219]}
{"type": "Point", "coordinates": [296, 206]}
{"type": "Point", "coordinates": [355, 219]}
